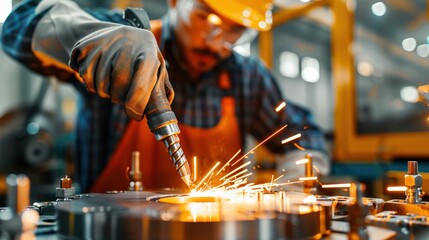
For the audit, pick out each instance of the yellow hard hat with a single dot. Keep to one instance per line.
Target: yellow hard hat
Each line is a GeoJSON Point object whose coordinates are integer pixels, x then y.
{"type": "Point", "coordinates": [254, 14]}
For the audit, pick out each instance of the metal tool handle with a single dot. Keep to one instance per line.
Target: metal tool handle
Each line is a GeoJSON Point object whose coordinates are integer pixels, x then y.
{"type": "Point", "coordinates": [161, 119]}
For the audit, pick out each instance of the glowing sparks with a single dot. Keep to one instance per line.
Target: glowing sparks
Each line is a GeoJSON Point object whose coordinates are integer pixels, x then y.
{"type": "Point", "coordinates": [195, 168]}
{"type": "Point", "coordinates": [302, 161]}
{"type": "Point", "coordinates": [208, 174]}
{"type": "Point", "coordinates": [280, 106]}
{"type": "Point", "coordinates": [298, 146]}
{"type": "Point", "coordinates": [307, 178]}
{"type": "Point", "coordinates": [227, 163]}
{"type": "Point", "coordinates": [231, 179]}
{"type": "Point", "coordinates": [235, 170]}
{"type": "Point", "coordinates": [296, 136]}
{"type": "Point", "coordinates": [338, 185]}
{"type": "Point", "coordinates": [396, 189]}
{"type": "Point", "coordinates": [275, 180]}
{"type": "Point", "coordinates": [266, 139]}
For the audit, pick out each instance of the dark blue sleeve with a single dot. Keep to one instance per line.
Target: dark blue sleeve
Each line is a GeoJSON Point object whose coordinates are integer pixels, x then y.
{"type": "Point", "coordinates": [19, 27]}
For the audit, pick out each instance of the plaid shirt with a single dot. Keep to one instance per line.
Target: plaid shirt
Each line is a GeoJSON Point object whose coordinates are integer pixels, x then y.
{"type": "Point", "coordinates": [100, 123]}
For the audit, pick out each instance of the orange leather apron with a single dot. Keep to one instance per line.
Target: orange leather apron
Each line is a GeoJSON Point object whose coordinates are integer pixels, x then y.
{"type": "Point", "coordinates": [218, 143]}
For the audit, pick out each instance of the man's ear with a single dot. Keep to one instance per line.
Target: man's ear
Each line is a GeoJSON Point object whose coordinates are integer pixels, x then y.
{"type": "Point", "coordinates": [172, 3]}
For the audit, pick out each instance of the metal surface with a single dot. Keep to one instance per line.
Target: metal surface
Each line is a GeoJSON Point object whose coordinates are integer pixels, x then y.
{"type": "Point", "coordinates": [169, 215]}
{"type": "Point", "coordinates": [135, 175]}
{"type": "Point", "coordinates": [413, 182]}
{"type": "Point", "coordinates": [18, 192]}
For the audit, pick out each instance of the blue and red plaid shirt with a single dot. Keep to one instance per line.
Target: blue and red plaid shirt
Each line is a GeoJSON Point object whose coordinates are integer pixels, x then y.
{"type": "Point", "coordinates": [101, 123]}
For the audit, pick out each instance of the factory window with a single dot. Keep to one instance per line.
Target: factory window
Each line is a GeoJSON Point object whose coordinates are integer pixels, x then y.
{"type": "Point", "coordinates": [310, 71]}
{"type": "Point", "coordinates": [289, 64]}
{"type": "Point", "coordinates": [5, 9]}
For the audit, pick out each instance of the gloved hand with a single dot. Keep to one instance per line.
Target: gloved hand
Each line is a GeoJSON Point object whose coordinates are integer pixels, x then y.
{"type": "Point", "coordinates": [119, 62]}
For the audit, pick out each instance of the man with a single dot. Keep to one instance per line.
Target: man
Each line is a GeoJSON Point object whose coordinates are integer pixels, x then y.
{"type": "Point", "coordinates": [219, 96]}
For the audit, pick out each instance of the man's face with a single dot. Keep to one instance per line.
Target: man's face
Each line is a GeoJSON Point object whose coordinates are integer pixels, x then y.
{"type": "Point", "coordinates": [205, 38]}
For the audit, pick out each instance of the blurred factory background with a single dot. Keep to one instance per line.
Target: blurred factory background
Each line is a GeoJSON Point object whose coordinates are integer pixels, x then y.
{"type": "Point", "coordinates": [355, 64]}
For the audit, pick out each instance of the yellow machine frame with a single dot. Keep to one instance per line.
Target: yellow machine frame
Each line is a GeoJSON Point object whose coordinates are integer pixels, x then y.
{"type": "Point", "coordinates": [348, 145]}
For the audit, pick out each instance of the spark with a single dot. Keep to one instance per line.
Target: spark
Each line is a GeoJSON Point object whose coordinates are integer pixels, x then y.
{"type": "Point", "coordinates": [296, 136]}
{"type": "Point", "coordinates": [307, 178]}
{"type": "Point", "coordinates": [302, 161]}
{"type": "Point", "coordinates": [275, 180]}
{"type": "Point", "coordinates": [195, 168]}
{"type": "Point", "coordinates": [235, 170]}
{"type": "Point", "coordinates": [272, 180]}
{"type": "Point", "coordinates": [266, 139]}
{"type": "Point", "coordinates": [280, 106]}
{"type": "Point", "coordinates": [396, 188]}
{"type": "Point", "coordinates": [338, 185]}
{"type": "Point", "coordinates": [244, 176]}
{"type": "Point", "coordinates": [211, 170]}
{"type": "Point", "coordinates": [299, 147]}
{"type": "Point", "coordinates": [227, 163]}
{"type": "Point", "coordinates": [238, 174]}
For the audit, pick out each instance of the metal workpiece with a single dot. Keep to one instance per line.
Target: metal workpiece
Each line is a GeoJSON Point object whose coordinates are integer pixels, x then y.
{"type": "Point", "coordinates": [408, 226]}
{"type": "Point", "coordinates": [66, 190]}
{"type": "Point", "coordinates": [413, 181]}
{"type": "Point", "coordinates": [134, 174]}
{"type": "Point", "coordinates": [174, 215]}
{"type": "Point", "coordinates": [357, 213]}
{"type": "Point", "coordinates": [309, 182]}
{"type": "Point", "coordinates": [18, 192]}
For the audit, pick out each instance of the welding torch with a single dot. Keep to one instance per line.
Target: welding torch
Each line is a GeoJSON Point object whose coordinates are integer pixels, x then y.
{"type": "Point", "coordinates": [161, 119]}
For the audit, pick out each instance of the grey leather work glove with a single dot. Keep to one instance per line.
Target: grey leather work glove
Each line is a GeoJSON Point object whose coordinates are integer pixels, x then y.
{"type": "Point", "coordinates": [121, 63]}
{"type": "Point", "coordinates": [118, 62]}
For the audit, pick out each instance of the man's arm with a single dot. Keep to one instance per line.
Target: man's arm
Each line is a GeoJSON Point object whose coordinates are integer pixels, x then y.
{"type": "Point", "coordinates": [18, 31]}
{"type": "Point", "coordinates": [114, 61]}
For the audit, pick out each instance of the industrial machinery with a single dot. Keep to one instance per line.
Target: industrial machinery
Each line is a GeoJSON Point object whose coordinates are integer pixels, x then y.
{"type": "Point", "coordinates": [252, 211]}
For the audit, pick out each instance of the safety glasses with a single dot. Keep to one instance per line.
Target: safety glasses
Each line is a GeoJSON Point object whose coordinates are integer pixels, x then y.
{"type": "Point", "coordinates": [212, 26]}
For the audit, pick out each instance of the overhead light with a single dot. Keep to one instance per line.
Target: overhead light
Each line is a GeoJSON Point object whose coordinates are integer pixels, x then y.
{"type": "Point", "coordinates": [409, 94]}
{"type": "Point", "coordinates": [289, 64]}
{"type": "Point", "coordinates": [365, 69]}
{"type": "Point", "coordinates": [5, 9]}
{"type": "Point", "coordinates": [423, 50]}
{"type": "Point", "coordinates": [378, 8]}
{"type": "Point", "coordinates": [409, 44]}
{"type": "Point", "coordinates": [310, 69]}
